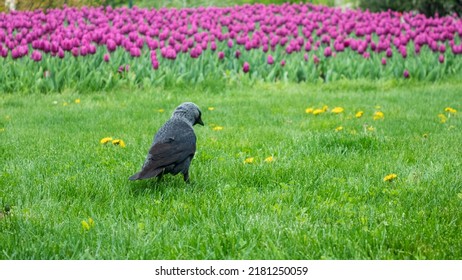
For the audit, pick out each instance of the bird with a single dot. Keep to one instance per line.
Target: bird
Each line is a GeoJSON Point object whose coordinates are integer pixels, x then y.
{"type": "Point", "coordinates": [174, 145]}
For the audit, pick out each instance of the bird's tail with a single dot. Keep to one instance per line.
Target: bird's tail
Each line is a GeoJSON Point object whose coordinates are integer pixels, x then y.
{"type": "Point", "coordinates": [143, 174]}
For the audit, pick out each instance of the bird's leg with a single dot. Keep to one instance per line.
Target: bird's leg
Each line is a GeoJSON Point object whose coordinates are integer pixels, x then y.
{"type": "Point", "coordinates": [161, 174]}
{"type": "Point", "coordinates": [186, 176]}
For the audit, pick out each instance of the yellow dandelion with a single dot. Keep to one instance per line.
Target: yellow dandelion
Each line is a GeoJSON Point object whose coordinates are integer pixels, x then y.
{"type": "Point", "coordinates": [443, 118]}
{"type": "Point", "coordinates": [324, 108]}
{"type": "Point", "coordinates": [65, 104]}
{"type": "Point", "coordinates": [390, 177]}
{"type": "Point", "coordinates": [85, 225]}
{"type": "Point", "coordinates": [337, 110]}
{"type": "Point", "coordinates": [340, 128]}
{"type": "Point", "coordinates": [77, 101]}
{"type": "Point", "coordinates": [309, 110]}
{"type": "Point", "coordinates": [269, 159]}
{"type": "Point", "coordinates": [450, 110]}
{"type": "Point", "coordinates": [105, 140]}
{"type": "Point", "coordinates": [91, 223]}
{"type": "Point", "coordinates": [211, 108]}
{"type": "Point", "coordinates": [370, 128]}
{"type": "Point", "coordinates": [217, 128]}
{"type": "Point", "coordinates": [378, 115]}
{"type": "Point", "coordinates": [161, 110]}
{"type": "Point", "coordinates": [118, 142]}
{"type": "Point", "coordinates": [359, 114]}
{"type": "Point", "coordinates": [249, 160]}
{"type": "Point", "coordinates": [317, 112]}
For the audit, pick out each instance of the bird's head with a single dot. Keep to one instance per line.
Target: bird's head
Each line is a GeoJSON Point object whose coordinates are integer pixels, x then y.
{"type": "Point", "coordinates": [190, 111]}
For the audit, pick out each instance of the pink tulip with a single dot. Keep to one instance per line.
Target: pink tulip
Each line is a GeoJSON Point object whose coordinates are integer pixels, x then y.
{"type": "Point", "coordinates": [384, 61]}
{"type": "Point", "coordinates": [316, 59]}
{"type": "Point", "coordinates": [441, 58]}
{"type": "Point", "coordinates": [327, 52]}
{"type": "Point", "coordinates": [221, 55]}
{"type": "Point", "coordinates": [106, 57]}
{"type": "Point", "coordinates": [270, 59]}
{"type": "Point", "coordinates": [406, 74]}
{"type": "Point", "coordinates": [246, 67]}
{"type": "Point", "coordinates": [36, 56]}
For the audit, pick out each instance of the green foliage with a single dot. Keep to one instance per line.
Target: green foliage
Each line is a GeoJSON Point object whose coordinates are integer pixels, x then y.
{"type": "Point", "coordinates": [428, 7]}
{"type": "Point", "coordinates": [322, 197]}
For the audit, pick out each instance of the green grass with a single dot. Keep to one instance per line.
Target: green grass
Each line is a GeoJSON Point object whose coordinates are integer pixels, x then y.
{"type": "Point", "coordinates": [323, 197]}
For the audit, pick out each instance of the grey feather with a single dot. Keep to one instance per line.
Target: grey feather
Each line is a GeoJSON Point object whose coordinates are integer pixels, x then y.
{"type": "Point", "coordinates": [174, 145]}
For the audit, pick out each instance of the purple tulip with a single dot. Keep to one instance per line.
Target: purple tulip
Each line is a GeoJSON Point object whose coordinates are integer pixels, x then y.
{"type": "Point", "coordinates": [230, 43]}
{"type": "Point", "coordinates": [155, 64]}
{"type": "Point", "coordinates": [283, 63]}
{"type": "Point", "coordinates": [270, 59]}
{"type": "Point", "coordinates": [135, 52]}
{"type": "Point", "coordinates": [316, 60]}
{"type": "Point", "coordinates": [441, 58]}
{"type": "Point", "coordinates": [106, 57]}
{"type": "Point", "coordinates": [237, 54]}
{"type": "Point", "coordinates": [36, 56]}
{"type": "Point", "coordinates": [406, 74]}
{"type": "Point", "coordinates": [384, 61]}
{"type": "Point", "coordinates": [111, 45]}
{"type": "Point", "coordinates": [305, 57]}
{"type": "Point", "coordinates": [246, 67]}
{"type": "Point", "coordinates": [221, 55]}
{"type": "Point", "coordinates": [75, 52]}
{"type": "Point", "coordinates": [327, 52]}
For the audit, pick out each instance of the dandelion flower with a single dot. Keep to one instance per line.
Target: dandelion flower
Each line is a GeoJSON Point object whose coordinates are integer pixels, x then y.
{"type": "Point", "coordinates": [324, 108]}
{"type": "Point", "coordinates": [105, 140]}
{"type": "Point", "coordinates": [77, 101]}
{"type": "Point", "coordinates": [249, 160]}
{"type": "Point", "coordinates": [309, 110]}
{"type": "Point", "coordinates": [160, 110]}
{"type": "Point", "coordinates": [211, 108]}
{"type": "Point", "coordinates": [359, 114]}
{"type": "Point", "coordinates": [65, 104]}
{"type": "Point", "coordinates": [443, 118]}
{"type": "Point", "coordinates": [337, 110]}
{"type": "Point", "coordinates": [370, 128]}
{"type": "Point", "coordinates": [269, 159]}
{"type": "Point", "coordinates": [340, 128]}
{"type": "Point", "coordinates": [118, 142]}
{"type": "Point", "coordinates": [91, 223]}
{"type": "Point", "coordinates": [85, 225]}
{"type": "Point", "coordinates": [450, 110]}
{"type": "Point", "coordinates": [390, 177]}
{"type": "Point", "coordinates": [217, 128]}
{"type": "Point", "coordinates": [317, 112]}
{"type": "Point", "coordinates": [378, 115]}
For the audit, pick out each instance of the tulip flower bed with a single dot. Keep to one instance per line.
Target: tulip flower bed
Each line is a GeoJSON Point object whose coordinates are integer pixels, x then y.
{"type": "Point", "coordinates": [92, 49]}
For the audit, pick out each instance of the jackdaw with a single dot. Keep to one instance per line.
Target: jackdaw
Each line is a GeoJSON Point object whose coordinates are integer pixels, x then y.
{"type": "Point", "coordinates": [174, 145]}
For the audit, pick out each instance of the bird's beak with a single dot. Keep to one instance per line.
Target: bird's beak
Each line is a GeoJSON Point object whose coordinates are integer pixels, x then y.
{"type": "Point", "coordinates": [199, 121]}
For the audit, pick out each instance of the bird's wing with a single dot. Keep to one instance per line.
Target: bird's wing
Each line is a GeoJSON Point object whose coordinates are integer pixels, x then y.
{"type": "Point", "coordinates": [170, 152]}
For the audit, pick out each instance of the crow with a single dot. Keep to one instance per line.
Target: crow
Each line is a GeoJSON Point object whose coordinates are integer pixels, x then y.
{"type": "Point", "coordinates": [174, 145]}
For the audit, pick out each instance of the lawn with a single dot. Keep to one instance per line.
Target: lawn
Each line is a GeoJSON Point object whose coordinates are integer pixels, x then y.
{"type": "Point", "coordinates": [269, 181]}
